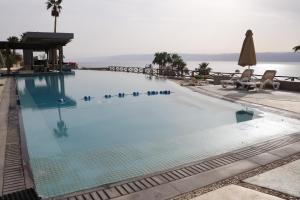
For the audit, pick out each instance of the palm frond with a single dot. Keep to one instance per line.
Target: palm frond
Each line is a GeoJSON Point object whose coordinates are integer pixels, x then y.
{"type": "Point", "coordinates": [296, 48]}
{"type": "Point", "coordinates": [49, 5]}
{"type": "Point", "coordinates": [59, 2]}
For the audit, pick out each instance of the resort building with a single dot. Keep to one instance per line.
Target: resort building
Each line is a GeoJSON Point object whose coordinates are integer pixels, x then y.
{"type": "Point", "coordinates": [49, 43]}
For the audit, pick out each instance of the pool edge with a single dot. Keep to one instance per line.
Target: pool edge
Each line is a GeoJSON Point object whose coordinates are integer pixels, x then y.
{"type": "Point", "coordinates": [16, 170]}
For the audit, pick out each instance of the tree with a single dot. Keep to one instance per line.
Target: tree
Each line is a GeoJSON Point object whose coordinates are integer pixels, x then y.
{"type": "Point", "coordinates": [11, 57]}
{"type": "Point", "coordinates": [161, 59]}
{"type": "Point", "coordinates": [296, 48]}
{"type": "Point", "coordinates": [178, 64]}
{"type": "Point", "coordinates": [13, 39]}
{"type": "Point", "coordinates": [56, 7]}
{"type": "Point", "coordinates": [8, 59]}
{"type": "Point", "coordinates": [203, 69]}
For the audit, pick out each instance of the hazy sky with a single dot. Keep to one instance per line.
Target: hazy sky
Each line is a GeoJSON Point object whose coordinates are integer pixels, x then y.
{"type": "Point", "coordinates": [112, 27]}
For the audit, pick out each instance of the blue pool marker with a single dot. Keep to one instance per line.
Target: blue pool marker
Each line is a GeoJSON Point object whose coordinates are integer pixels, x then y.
{"type": "Point", "coordinates": [87, 98]}
{"type": "Point", "coordinates": [135, 94]}
{"type": "Point", "coordinates": [121, 95]}
{"type": "Point", "coordinates": [165, 92]}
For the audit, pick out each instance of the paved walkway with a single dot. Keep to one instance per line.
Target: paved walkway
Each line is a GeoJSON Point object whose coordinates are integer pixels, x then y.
{"type": "Point", "coordinates": [2, 83]}
{"type": "Point", "coordinates": [285, 179]}
{"type": "Point", "coordinates": [3, 127]}
{"type": "Point", "coordinates": [234, 192]}
{"type": "Point", "coordinates": [289, 101]}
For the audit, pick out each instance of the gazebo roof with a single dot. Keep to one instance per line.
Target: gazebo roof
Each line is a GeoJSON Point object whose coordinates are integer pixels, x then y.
{"type": "Point", "coordinates": [39, 41]}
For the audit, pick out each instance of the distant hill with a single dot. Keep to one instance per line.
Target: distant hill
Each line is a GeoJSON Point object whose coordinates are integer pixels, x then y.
{"type": "Point", "coordinates": [261, 57]}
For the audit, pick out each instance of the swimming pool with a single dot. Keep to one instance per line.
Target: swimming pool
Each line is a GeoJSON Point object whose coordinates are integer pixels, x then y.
{"type": "Point", "coordinates": [76, 144]}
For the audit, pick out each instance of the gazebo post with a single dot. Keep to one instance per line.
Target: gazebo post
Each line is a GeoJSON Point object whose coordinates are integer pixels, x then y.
{"type": "Point", "coordinates": [47, 59]}
{"type": "Point", "coordinates": [8, 63]}
{"type": "Point", "coordinates": [61, 57]}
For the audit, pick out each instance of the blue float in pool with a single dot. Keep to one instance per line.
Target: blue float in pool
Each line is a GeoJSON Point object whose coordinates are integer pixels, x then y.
{"type": "Point", "coordinates": [121, 94]}
{"type": "Point", "coordinates": [135, 94]}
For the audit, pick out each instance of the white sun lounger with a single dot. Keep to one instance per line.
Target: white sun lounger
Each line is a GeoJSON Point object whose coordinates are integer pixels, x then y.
{"type": "Point", "coordinates": [246, 76]}
{"type": "Point", "coordinates": [259, 84]}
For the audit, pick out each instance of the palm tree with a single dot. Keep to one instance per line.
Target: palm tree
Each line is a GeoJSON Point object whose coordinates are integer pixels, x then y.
{"type": "Point", "coordinates": [13, 39]}
{"type": "Point", "coordinates": [161, 59]}
{"type": "Point", "coordinates": [203, 69]}
{"type": "Point", "coordinates": [8, 59]}
{"type": "Point", "coordinates": [178, 64]}
{"type": "Point", "coordinates": [11, 57]}
{"type": "Point", "coordinates": [296, 48]}
{"type": "Point", "coordinates": [56, 8]}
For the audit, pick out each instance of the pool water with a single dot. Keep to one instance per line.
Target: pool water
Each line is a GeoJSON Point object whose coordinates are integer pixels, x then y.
{"type": "Point", "coordinates": [75, 144]}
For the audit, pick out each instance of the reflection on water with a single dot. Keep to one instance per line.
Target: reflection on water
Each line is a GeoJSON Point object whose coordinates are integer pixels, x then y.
{"type": "Point", "coordinates": [48, 95]}
{"type": "Point", "coordinates": [61, 130]}
{"type": "Point", "coordinates": [244, 115]}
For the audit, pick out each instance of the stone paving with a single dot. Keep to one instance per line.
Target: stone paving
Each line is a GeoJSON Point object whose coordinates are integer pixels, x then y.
{"type": "Point", "coordinates": [285, 179]}
{"type": "Point", "coordinates": [2, 83]}
{"type": "Point", "coordinates": [234, 192]}
{"type": "Point", "coordinates": [3, 128]}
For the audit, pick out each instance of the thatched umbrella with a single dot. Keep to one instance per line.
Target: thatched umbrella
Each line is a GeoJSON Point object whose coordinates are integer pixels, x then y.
{"type": "Point", "coordinates": [248, 55]}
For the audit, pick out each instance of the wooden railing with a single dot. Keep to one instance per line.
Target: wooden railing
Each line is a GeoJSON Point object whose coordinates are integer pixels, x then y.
{"type": "Point", "coordinates": [180, 74]}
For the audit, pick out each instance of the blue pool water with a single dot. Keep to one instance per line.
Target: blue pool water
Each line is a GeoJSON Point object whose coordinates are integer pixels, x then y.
{"type": "Point", "coordinates": [76, 144]}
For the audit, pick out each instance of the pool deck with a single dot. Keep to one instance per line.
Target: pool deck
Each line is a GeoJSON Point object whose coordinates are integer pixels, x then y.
{"type": "Point", "coordinates": [14, 171]}
{"type": "Point", "coordinates": [176, 183]}
{"type": "Point", "coordinates": [282, 100]}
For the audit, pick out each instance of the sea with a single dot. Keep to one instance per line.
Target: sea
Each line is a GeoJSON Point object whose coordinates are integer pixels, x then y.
{"type": "Point", "coordinates": [282, 68]}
